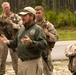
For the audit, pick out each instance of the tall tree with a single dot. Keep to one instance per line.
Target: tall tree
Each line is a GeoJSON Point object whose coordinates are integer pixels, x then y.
{"type": "Point", "coordinates": [56, 5]}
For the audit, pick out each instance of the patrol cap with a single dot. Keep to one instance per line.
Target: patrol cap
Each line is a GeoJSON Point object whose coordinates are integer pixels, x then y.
{"type": "Point", "coordinates": [27, 10]}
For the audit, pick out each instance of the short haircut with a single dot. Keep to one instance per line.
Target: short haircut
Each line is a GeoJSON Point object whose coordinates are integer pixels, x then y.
{"type": "Point", "coordinates": [37, 8]}
{"type": "Point", "coordinates": [5, 3]}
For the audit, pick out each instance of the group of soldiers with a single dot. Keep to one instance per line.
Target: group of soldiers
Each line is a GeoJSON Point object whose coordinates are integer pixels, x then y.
{"type": "Point", "coordinates": [30, 38]}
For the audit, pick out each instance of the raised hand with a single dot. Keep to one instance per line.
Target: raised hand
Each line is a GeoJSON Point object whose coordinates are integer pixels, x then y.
{"type": "Point", "coordinates": [3, 39]}
{"type": "Point", "coordinates": [26, 40]}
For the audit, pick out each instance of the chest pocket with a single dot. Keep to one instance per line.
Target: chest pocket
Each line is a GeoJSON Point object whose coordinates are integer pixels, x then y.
{"type": "Point", "coordinates": [32, 34]}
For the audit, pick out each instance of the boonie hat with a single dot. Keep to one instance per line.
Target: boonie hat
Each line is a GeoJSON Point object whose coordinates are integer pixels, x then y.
{"type": "Point", "coordinates": [27, 10]}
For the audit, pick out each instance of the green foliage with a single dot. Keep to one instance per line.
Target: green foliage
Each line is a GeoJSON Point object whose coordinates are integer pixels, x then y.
{"type": "Point", "coordinates": [51, 16]}
{"type": "Point", "coordinates": [62, 20]}
{"type": "Point", "coordinates": [66, 34]}
{"type": "Point", "coordinates": [65, 19]}
{"type": "Point", "coordinates": [0, 6]}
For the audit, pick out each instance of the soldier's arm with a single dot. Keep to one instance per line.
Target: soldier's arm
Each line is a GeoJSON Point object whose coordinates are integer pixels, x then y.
{"type": "Point", "coordinates": [52, 33]}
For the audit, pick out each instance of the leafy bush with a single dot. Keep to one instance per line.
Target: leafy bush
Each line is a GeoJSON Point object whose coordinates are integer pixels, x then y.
{"type": "Point", "coordinates": [51, 16]}
{"type": "Point", "coordinates": [63, 19]}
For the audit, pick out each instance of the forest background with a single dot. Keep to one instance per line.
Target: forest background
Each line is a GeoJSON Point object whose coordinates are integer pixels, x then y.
{"type": "Point", "coordinates": [59, 12]}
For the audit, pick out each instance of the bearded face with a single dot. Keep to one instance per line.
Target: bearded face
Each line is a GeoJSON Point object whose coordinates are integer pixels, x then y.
{"type": "Point", "coordinates": [26, 19]}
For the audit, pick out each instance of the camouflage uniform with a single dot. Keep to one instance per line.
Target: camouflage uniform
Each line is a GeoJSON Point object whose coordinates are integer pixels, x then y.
{"type": "Point", "coordinates": [74, 65]}
{"type": "Point", "coordinates": [14, 23]}
{"type": "Point", "coordinates": [51, 39]}
{"type": "Point", "coordinates": [70, 52]}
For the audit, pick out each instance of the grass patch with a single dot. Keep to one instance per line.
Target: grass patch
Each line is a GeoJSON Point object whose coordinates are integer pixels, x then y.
{"type": "Point", "coordinates": [66, 34]}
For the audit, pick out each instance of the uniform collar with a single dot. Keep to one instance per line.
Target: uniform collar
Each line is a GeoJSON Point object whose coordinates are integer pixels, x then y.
{"type": "Point", "coordinates": [42, 21]}
{"type": "Point", "coordinates": [29, 26]}
{"type": "Point", "coordinates": [11, 15]}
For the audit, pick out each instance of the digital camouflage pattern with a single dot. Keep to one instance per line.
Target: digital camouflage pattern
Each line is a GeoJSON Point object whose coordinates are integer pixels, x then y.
{"type": "Point", "coordinates": [53, 36]}
{"type": "Point", "coordinates": [51, 39]}
{"type": "Point", "coordinates": [11, 25]}
{"type": "Point", "coordinates": [70, 52]}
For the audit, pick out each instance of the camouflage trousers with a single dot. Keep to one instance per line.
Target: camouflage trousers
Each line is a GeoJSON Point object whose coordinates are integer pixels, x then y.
{"type": "Point", "coordinates": [72, 65]}
{"type": "Point", "coordinates": [4, 57]}
{"type": "Point", "coordinates": [45, 68]}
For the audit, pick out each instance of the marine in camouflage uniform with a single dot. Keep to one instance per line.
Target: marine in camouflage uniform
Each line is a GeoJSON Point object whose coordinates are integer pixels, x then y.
{"type": "Point", "coordinates": [70, 52]}
{"type": "Point", "coordinates": [14, 22]}
{"type": "Point", "coordinates": [51, 34]}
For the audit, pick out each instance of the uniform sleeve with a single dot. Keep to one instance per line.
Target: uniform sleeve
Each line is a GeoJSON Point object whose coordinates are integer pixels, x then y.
{"type": "Point", "coordinates": [53, 36]}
